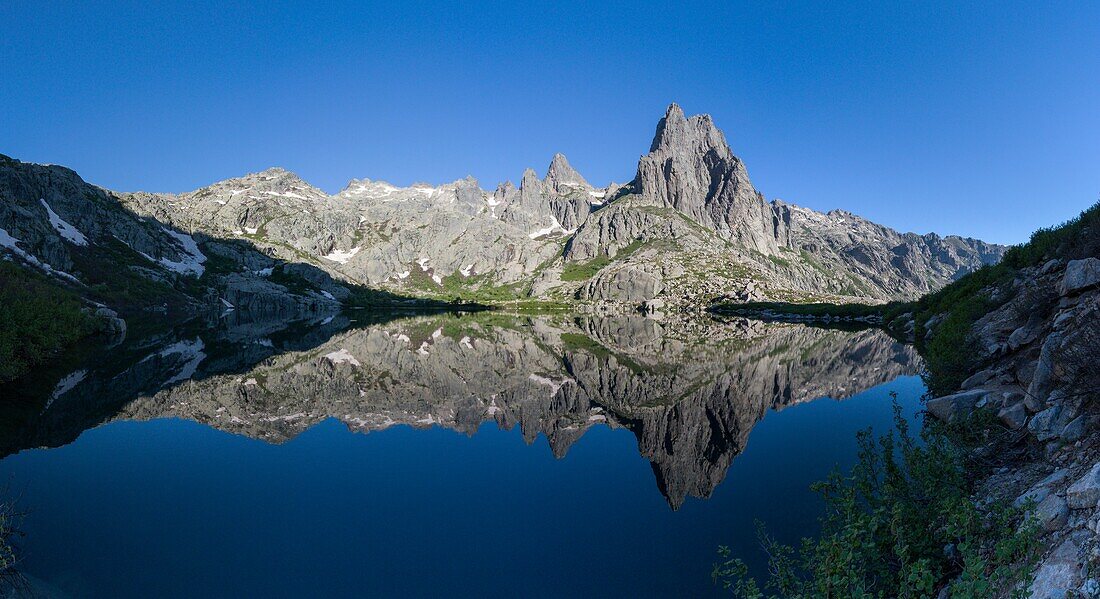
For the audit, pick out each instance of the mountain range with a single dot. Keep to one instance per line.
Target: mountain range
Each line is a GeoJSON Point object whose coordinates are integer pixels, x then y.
{"type": "Point", "coordinates": [688, 229]}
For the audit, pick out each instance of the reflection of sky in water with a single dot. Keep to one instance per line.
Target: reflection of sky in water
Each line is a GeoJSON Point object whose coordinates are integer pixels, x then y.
{"type": "Point", "coordinates": [173, 508]}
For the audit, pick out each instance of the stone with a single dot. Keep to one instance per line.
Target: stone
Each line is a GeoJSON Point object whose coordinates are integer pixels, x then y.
{"type": "Point", "coordinates": [1075, 430]}
{"type": "Point", "coordinates": [1049, 423]}
{"type": "Point", "coordinates": [1050, 266]}
{"type": "Point", "coordinates": [952, 407]}
{"type": "Point", "coordinates": [1013, 416]}
{"type": "Point", "coordinates": [1022, 336]}
{"type": "Point", "coordinates": [1042, 381]}
{"type": "Point", "coordinates": [1080, 275]}
{"type": "Point", "coordinates": [1036, 495]}
{"type": "Point", "coordinates": [1052, 513]}
{"type": "Point", "coordinates": [1085, 492]}
{"type": "Point", "coordinates": [1060, 573]}
{"type": "Point", "coordinates": [977, 379]}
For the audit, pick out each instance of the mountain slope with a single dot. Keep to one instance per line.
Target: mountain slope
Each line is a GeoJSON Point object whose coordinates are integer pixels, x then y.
{"type": "Point", "coordinates": [688, 229]}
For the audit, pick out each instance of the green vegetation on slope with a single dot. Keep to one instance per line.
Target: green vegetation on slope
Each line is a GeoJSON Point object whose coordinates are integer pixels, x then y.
{"type": "Point", "coordinates": [901, 524]}
{"type": "Point", "coordinates": [951, 354]}
{"type": "Point", "coordinates": [582, 271]}
{"type": "Point", "coordinates": [38, 318]}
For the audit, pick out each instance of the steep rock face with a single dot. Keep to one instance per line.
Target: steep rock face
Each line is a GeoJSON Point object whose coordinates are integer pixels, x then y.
{"type": "Point", "coordinates": [691, 168]}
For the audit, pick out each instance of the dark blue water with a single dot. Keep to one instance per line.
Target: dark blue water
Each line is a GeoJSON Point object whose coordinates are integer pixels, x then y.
{"type": "Point", "coordinates": [171, 507]}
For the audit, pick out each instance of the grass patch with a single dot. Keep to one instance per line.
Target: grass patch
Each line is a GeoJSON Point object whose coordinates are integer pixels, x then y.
{"type": "Point", "coordinates": [582, 271]}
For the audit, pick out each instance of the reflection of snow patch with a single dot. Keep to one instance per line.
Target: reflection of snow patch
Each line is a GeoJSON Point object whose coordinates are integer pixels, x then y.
{"type": "Point", "coordinates": [188, 350]}
{"type": "Point", "coordinates": [327, 294]}
{"type": "Point", "coordinates": [227, 304]}
{"type": "Point", "coordinates": [465, 342]}
{"type": "Point", "coordinates": [423, 349]}
{"type": "Point", "coordinates": [66, 230]}
{"type": "Point", "coordinates": [554, 385]}
{"type": "Point", "coordinates": [403, 338]}
{"type": "Point", "coordinates": [339, 357]}
{"type": "Point", "coordinates": [65, 385]}
{"type": "Point", "coordinates": [250, 382]}
{"type": "Point", "coordinates": [264, 272]}
{"type": "Point", "coordinates": [327, 320]}
{"type": "Point", "coordinates": [436, 334]}
{"type": "Point", "coordinates": [341, 257]}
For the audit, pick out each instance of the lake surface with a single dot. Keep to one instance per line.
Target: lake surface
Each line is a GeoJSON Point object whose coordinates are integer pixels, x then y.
{"type": "Point", "coordinates": [457, 455]}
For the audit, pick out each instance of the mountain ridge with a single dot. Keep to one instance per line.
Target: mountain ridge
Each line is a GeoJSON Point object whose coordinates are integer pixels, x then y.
{"type": "Point", "coordinates": [689, 229]}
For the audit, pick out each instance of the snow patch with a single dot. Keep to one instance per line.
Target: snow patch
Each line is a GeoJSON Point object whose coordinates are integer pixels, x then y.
{"type": "Point", "coordinates": [7, 241]}
{"type": "Point", "coordinates": [191, 262]}
{"type": "Point", "coordinates": [403, 275]}
{"type": "Point", "coordinates": [341, 356]}
{"type": "Point", "coordinates": [423, 263]}
{"type": "Point", "coordinates": [554, 385]}
{"type": "Point", "coordinates": [467, 270]}
{"type": "Point", "coordinates": [341, 257]}
{"type": "Point", "coordinates": [251, 230]}
{"type": "Point", "coordinates": [66, 230]}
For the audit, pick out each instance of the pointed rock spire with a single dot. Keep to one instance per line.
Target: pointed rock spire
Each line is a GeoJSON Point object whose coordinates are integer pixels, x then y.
{"type": "Point", "coordinates": [691, 168]}
{"type": "Point", "coordinates": [562, 177]}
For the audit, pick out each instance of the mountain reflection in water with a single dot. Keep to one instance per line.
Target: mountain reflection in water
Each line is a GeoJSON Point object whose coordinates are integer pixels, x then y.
{"type": "Point", "coordinates": [690, 390]}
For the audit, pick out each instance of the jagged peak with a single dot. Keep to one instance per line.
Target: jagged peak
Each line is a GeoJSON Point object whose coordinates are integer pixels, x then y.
{"type": "Point", "coordinates": [561, 174]}
{"type": "Point", "coordinates": [675, 131]}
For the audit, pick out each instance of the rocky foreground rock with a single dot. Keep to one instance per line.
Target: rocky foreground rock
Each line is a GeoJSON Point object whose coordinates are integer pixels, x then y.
{"type": "Point", "coordinates": [689, 228]}
{"type": "Point", "coordinates": [1042, 383]}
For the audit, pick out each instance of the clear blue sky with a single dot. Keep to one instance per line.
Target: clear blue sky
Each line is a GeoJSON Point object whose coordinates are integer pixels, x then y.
{"type": "Point", "coordinates": [926, 118]}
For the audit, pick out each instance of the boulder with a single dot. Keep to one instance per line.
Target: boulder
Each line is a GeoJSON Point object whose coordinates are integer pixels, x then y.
{"type": "Point", "coordinates": [1085, 493]}
{"type": "Point", "coordinates": [1042, 381]}
{"type": "Point", "coordinates": [1075, 430]}
{"type": "Point", "coordinates": [1052, 513]}
{"type": "Point", "coordinates": [1013, 416]}
{"type": "Point", "coordinates": [951, 407]}
{"type": "Point", "coordinates": [1050, 423]}
{"type": "Point", "coordinates": [1060, 573]}
{"type": "Point", "coordinates": [1080, 275]}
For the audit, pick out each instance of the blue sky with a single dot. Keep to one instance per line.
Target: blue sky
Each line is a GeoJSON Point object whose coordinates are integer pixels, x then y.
{"type": "Point", "coordinates": [946, 118]}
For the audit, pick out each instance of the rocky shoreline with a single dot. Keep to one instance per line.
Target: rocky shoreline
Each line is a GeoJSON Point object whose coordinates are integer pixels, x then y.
{"type": "Point", "coordinates": [1040, 380]}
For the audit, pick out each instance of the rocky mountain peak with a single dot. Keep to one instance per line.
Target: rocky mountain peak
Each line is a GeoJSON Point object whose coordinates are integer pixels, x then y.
{"type": "Point", "coordinates": [691, 168]}
{"type": "Point", "coordinates": [562, 177]}
{"type": "Point", "coordinates": [530, 181]}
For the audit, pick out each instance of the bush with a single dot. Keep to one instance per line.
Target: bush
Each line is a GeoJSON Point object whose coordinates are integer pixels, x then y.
{"type": "Point", "coordinates": [900, 524]}
{"type": "Point", "coordinates": [38, 318]}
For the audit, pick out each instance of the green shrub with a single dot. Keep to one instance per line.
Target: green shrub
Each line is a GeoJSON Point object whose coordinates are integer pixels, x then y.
{"type": "Point", "coordinates": [901, 524]}
{"type": "Point", "coordinates": [38, 318]}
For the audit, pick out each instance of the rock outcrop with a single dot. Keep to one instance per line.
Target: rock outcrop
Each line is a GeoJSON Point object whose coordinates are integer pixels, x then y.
{"type": "Point", "coordinates": [1039, 347]}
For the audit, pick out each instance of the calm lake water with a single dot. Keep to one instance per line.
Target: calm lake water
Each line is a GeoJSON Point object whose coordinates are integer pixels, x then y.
{"type": "Point", "coordinates": [477, 455]}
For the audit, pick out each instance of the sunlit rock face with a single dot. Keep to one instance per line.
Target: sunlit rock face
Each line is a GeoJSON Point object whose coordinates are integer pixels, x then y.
{"type": "Point", "coordinates": [689, 390]}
